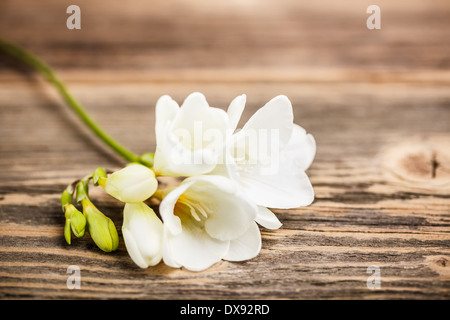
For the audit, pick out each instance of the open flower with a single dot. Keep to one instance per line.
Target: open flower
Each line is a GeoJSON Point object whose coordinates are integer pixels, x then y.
{"type": "Point", "coordinates": [142, 232]}
{"type": "Point", "coordinates": [189, 138]}
{"type": "Point", "coordinates": [207, 219]}
{"type": "Point", "coordinates": [268, 158]}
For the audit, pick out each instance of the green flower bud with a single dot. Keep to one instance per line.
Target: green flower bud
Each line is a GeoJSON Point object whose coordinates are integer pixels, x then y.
{"type": "Point", "coordinates": [67, 233]}
{"type": "Point", "coordinates": [100, 227]}
{"type": "Point", "coordinates": [99, 177]}
{"type": "Point", "coordinates": [82, 190]}
{"type": "Point", "coordinates": [78, 222]}
{"type": "Point", "coordinates": [75, 222]}
{"type": "Point", "coordinates": [66, 198]}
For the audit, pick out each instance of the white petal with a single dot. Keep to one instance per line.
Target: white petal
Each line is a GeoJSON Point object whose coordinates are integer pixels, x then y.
{"type": "Point", "coordinates": [167, 206]}
{"type": "Point", "coordinates": [226, 168]}
{"type": "Point", "coordinates": [211, 183]}
{"type": "Point", "coordinates": [195, 111]}
{"type": "Point", "coordinates": [230, 218]}
{"type": "Point", "coordinates": [167, 252]}
{"type": "Point", "coordinates": [133, 249]}
{"type": "Point", "coordinates": [230, 211]}
{"type": "Point", "coordinates": [194, 249]}
{"type": "Point", "coordinates": [235, 111]}
{"type": "Point", "coordinates": [246, 247]}
{"type": "Point", "coordinates": [288, 188]}
{"type": "Point", "coordinates": [173, 159]}
{"type": "Point", "coordinates": [143, 232]}
{"type": "Point", "coordinates": [267, 218]}
{"type": "Point", "coordinates": [194, 140]}
{"type": "Point", "coordinates": [301, 148]}
{"type": "Point", "coordinates": [274, 119]}
{"type": "Point", "coordinates": [134, 183]}
{"type": "Point", "coordinates": [196, 101]}
{"type": "Point", "coordinates": [166, 111]}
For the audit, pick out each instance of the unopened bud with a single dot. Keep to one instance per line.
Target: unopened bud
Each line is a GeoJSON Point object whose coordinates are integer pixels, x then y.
{"type": "Point", "coordinates": [75, 222]}
{"type": "Point", "coordinates": [133, 184]}
{"type": "Point", "coordinates": [143, 233]}
{"type": "Point", "coordinates": [66, 197]}
{"type": "Point", "coordinates": [100, 227]}
{"type": "Point", "coordinates": [82, 190]}
{"type": "Point", "coordinates": [99, 177]}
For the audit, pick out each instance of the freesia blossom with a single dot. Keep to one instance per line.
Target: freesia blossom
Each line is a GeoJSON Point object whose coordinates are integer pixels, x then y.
{"type": "Point", "coordinates": [207, 219]}
{"type": "Point", "coordinates": [188, 138]}
{"type": "Point", "coordinates": [268, 158]}
{"type": "Point", "coordinates": [132, 184]}
{"type": "Point", "coordinates": [142, 232]}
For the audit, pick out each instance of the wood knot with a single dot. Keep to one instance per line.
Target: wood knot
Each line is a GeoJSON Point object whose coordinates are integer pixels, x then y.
{"type": "Point", "coordinates": [421, 164]}
{"type": "Point", "coordinates": [425, 162]}
{"type": "Point", "coordinates": [440, 265]}
{"type": "Point", "coordinates": [442, 262]}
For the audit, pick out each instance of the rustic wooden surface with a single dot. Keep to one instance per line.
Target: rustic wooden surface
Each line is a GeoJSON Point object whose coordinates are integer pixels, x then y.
{"type": "Point", "coordinates": [377, 102]}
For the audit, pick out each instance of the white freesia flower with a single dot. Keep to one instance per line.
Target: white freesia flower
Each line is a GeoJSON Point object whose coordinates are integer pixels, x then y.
{"type": "Point", "coordinates": [132, 184]}
{"type": "Point", "coordinates": [207, 219]}
{"type": "Point", "coordinates": [268, 157]}
{"type": "Point", "coordinates": [190, 138]}
{"type": "Point", "coordinates": [143, 233]}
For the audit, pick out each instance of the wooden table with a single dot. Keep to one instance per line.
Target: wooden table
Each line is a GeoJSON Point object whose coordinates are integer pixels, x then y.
{"type": "Point", "coordinates": [377, 102]}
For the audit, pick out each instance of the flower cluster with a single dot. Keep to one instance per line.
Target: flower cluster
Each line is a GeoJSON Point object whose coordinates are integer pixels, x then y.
{"type": "Point", "coordinates": [230, 180]}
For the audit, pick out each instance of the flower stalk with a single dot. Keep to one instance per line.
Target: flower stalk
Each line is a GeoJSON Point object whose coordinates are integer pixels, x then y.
{"type": "Point", "coordinates": [41, 67]}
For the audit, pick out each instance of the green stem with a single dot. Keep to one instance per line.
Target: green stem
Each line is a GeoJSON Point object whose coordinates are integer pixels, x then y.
{"type": "Point", "coordinates": [40, 66]}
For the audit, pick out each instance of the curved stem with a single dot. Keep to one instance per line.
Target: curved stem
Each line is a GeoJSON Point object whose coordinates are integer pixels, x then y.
{"type": "Point", "coordinates": [40, 66]}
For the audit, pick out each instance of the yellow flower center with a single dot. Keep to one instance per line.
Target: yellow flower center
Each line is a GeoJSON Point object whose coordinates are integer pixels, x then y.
{"type": "Point", "coordinates": [191, 211]}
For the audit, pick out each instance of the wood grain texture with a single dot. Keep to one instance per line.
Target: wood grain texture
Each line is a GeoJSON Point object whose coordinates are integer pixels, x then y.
{"type": "Point", "coordinates": [377, 103]}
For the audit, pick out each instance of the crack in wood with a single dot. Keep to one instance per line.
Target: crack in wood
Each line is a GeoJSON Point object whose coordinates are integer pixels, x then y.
{"type": "Point", "coordinates": [434, 165]}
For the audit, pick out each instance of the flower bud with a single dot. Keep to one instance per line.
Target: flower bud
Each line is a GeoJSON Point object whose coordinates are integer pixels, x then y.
{"type": "Point", "coordinates": [100, 227]}
{"type": "Point", "coordinates": [66, 198]}
{"type": "Point", "coordinates": [67, 234]}
{"type": "Point", "coordinates": [143, 232]}
{"type": "Point", "coordinates": [75, 220]}
{"type": "Point", "coordinates": [147, 159]}
{"type": "Point", "coordinates": [99, 177]}
{"type": "Point", "coordinates": [82, 190]}
{"type": "Point", "coordinates": [132, 184]}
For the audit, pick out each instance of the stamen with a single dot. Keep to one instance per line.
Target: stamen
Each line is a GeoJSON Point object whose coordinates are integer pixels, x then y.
{"type": "Point", "coordinates": [202, 209]}
{"type": "Point", "coordinates": [195, 208]}
{"type": "Point", "coordinates": [194, 214]}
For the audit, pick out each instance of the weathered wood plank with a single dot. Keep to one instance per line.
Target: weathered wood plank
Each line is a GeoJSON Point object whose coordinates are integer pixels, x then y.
{"type": "Point", "coordinates": [194, 34]}
{"type": "Point", "coordinates": [378, 104]}
{"type": "Point", "coordinates": [363, 213]}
